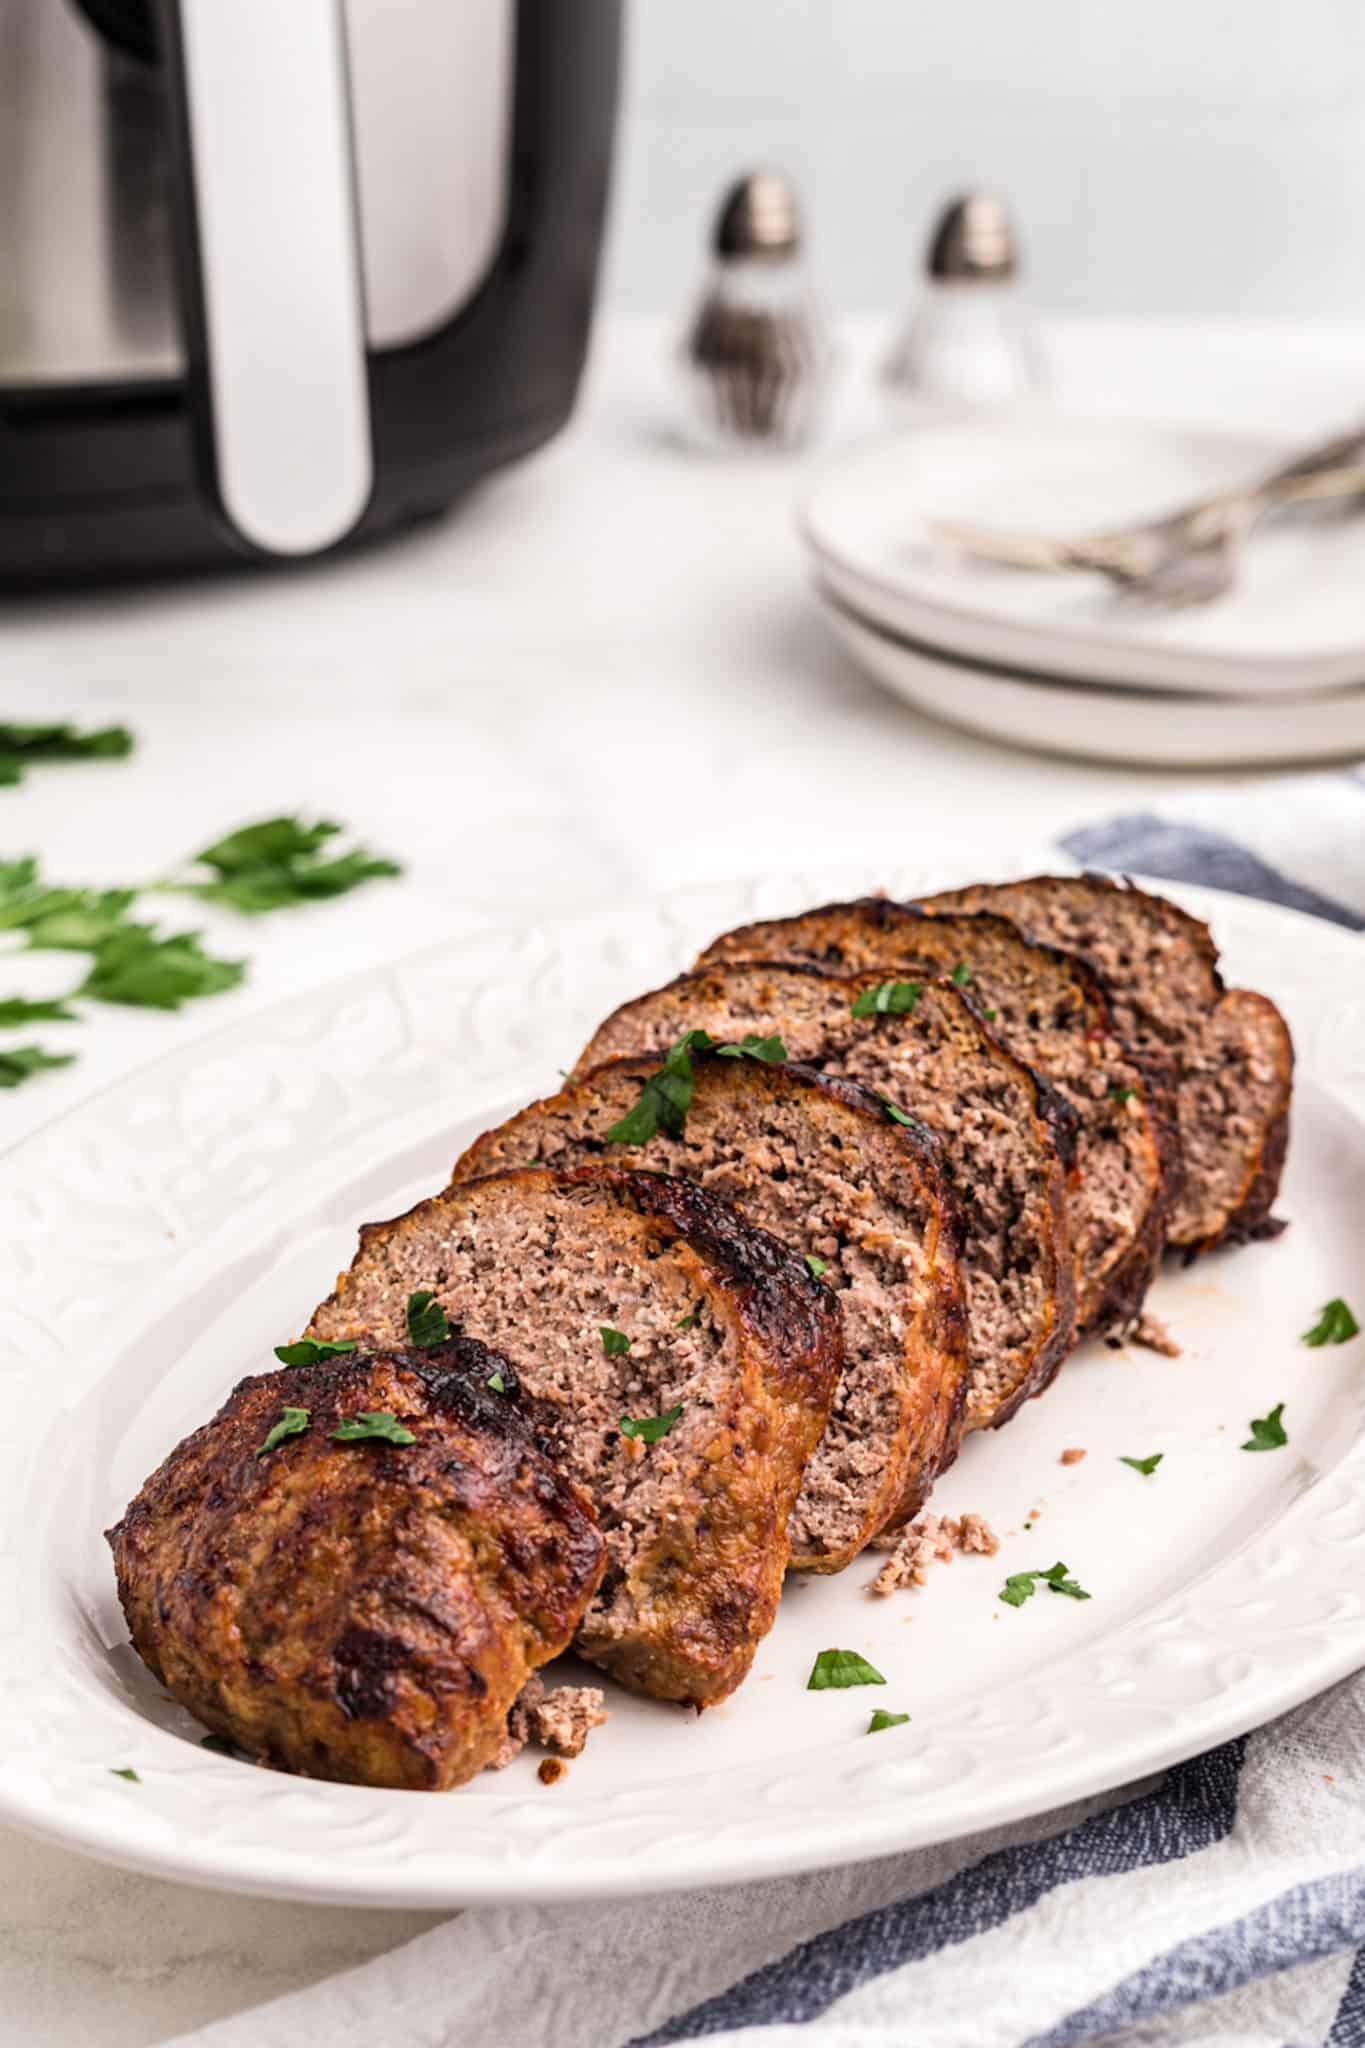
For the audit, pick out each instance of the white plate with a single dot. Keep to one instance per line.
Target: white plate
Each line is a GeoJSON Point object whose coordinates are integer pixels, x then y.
{"type": "Point", "coordinates": [1104, 722]}
{"type": "Point", "coordinates": [1293, 625]}
{"type": "Point", "coordinates": [156, 1242]}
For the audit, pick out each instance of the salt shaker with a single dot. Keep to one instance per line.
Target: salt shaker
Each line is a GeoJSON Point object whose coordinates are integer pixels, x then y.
{"type": "Point", "coordinates": [756, 353]}
{"type": "Point", "coordinates": [970, 339]}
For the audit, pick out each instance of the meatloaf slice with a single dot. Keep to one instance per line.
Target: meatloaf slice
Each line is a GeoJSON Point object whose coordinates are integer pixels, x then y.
{"type": "Point", "coordinates": [1230, 1049]}
{"type": "Point", "coordinates": [815, 1161]}
{"type": "Point", "coordinates": [364, 1610]}
{"type": "Point", "coordinates": [1006, 1137]}
{"type": "Point", "coordinates": [1047, 1007]}
{"type": "Point", "coordinates": [679, 1362]}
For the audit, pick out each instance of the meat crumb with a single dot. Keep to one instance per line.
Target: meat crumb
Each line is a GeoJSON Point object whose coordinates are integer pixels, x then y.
{"type": "Point", "coordinates": [560, 1721]}
{"type": "Point", "coordinates": [932, 1539]}
{"type": "Point", "coordinates": [1072, 1455]}
{"type": "Point", "coordinates": [552, 1770]}
{"type": "Point", "coordinates": [1151, 1333]}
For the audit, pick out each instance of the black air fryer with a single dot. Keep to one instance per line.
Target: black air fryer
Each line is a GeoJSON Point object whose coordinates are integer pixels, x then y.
{"type": "Point", "coordinates": [279, 274]}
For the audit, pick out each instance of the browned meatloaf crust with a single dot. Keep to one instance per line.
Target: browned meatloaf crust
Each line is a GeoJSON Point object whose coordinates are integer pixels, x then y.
{"type": "Point", "coordinates": [366, 1611]}
{"type": "Point", "coordinates": [815, 1161]}
{"type": "Point", "coordinates": [1047, 1007]}
{"type": "Point", "coordinates": [1230, 1048]}
{"type": "Point", "coordinates": [1005, 1135]}
{"type": "Point", "coordinates": [724, 1325]}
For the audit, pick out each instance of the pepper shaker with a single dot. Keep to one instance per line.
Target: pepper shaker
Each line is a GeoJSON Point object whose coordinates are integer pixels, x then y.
{"type": "Point", "coordinates": [970, 339]}
{"type": "Point", "coordinates": [756, 354]}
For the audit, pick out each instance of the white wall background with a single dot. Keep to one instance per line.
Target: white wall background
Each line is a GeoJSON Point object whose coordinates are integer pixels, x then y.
{"type": "Point", "coordinates": [1163, 156]}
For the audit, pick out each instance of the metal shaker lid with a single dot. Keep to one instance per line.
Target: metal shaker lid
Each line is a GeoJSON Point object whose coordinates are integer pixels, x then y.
{"type": "Point", "coordinates": [973, 241]}
{"type": "Point", "coordinates": [758, 217]}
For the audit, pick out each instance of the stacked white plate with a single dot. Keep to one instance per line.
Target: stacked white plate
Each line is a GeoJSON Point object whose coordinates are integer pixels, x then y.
{"type": "Point", "coordinates": [1272, 673]}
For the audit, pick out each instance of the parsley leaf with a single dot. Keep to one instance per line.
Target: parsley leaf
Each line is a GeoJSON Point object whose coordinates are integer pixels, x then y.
{"type": "Point", "coordinates": [127, 1772]}
{"type": "Point", "coordinates": [292, 1422]}
{"type": "Point", "coordinates": [428, 1322]}
{"type": "Point", "coordinates": [614, 1342]}
{"type": "Point", "coordinates": [835, 1669]}
{"type": "Point", "coordinates": [21, 745]}
{"type": "Point", "coordinates": [1122, 1094]}
{"type": "Point", "coordinates": [1021, 1586]}
{"type": "Point", "coordinates": [990, 1015]}
{"type": "Point", "coordinates": [881, 1719]}
{"type": "Point", "coordinates": [380, 1423]}
{"type": "Point", "coordinates": [279, 863]}
{"type": "Point", "coordinates": [770, 1051]}
{"type": "Point", "coordinates": [689, 1321]}
{"type": "Point", "coordinates": [1146, 1466]}
{"type": "Point", "coordinates": [817, 1266]}
{"type": "Point", "coordinates": [1335, 1325]}
{"type": "Point", "coordinates": [312, 1350]}
{"type": "Point", "coordinates": [1267, 1431]}
{"type": "Point", "coordinates": [649, 1428]}
{"type": "Point", "coordinates": [19, 1010]}
{"type": "Point", "coordinates": [960, 975]}
{"type": "Point", "coordinates": [496, 1381]}
{"type": "Point", "coordinates": [19, 1062]}
{"type": "Point", "coordinates": [897, 1116]}
{"type": "Point", "coordinates": [887, 999]}
{"type": "Point", "coordinates": [132, 965]}
{"type": "Point", "coordinates": [78, 920]}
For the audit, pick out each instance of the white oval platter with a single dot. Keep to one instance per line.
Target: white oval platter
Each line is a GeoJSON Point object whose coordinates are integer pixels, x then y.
{"type": "Point", "coordinates": [159, 1239]}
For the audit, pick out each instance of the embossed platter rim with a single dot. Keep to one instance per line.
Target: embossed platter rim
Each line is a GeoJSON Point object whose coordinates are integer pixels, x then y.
{"type": "Point", "coordinates": [188, 1195]}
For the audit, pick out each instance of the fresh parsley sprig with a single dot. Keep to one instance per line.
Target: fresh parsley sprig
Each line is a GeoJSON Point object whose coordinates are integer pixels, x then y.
{"type": "Point", "coordinates": [292, 1422]}
{"type": "Point", "coordinates": [427, 1321]}
{"type": "Point", "coordinates": [18, 1063]}
{"type": "Point", "coordinates": [650, 1428]}
{"type": "Point", "coordinates": [1021, 1586]}
{"type": "Point", "coordinates": [1335, 1325]}
{"type": "Point", "coordinates": [1267, 1431]}
{"type": "Point", "coordinates": [378, 1423]}
{"type": "Point", "coordinates": [882, 1719]}
{"type": "Point", "coordinates": [312, 1350]}
{"type": "Point", "coordinates": [833, 1670]}
{"type": "Point", "coordinates": [887, 999]}
{"type": "Point", "coordinates": [278, 864]}
{"type": "Point", "coordinates": [614, 1342]}
{"type": "Point", "coordinates": [666, 1094]}
{"type": "Point", "coordinates": [24, 746]}
{"type": "Point", "coordinates": [1146, 1466]}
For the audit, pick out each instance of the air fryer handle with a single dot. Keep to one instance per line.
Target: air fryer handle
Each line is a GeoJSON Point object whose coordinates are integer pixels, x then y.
{"type": "Point", "coordinates": [269, 266]}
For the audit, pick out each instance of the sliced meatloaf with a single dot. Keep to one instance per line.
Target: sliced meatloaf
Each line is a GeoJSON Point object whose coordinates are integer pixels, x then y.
{"type": "Point", "coordinates": [680, 1362]}
{"type": "Point", "coordinates": [1006, 1136]}
{"type": "Point", "coordinates": [364, 1609]}
{"type": "Point", "coordinates": [815, 1161]}
{"type": "Point", "coordinates": [1230, 1049]}
{"type": "Point", "coordinates": [1047, 1007]}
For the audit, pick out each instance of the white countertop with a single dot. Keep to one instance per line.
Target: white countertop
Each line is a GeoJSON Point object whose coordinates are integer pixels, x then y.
{"type": "Point", "coordinates": [600, 677]}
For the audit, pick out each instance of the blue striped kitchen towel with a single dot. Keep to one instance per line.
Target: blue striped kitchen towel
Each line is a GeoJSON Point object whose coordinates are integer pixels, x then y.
{"type": "Point", "coordinates": [1223, 1904]}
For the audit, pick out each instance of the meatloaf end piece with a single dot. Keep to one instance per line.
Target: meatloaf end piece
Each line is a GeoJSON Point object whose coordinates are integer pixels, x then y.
{"type": "Point", "coordinates": [815, 1161]}
{"type": "Point", "coordinates": [366, 1611]}
{"type": "Point", "coordinates": [1230, 1049]}
{"type": "Point", "coordinates": [723, 1335]}
{"type": "Point", "coordinates": [1006, 1138]}
{"type": "Point", "coordinates": [1049, 1008]}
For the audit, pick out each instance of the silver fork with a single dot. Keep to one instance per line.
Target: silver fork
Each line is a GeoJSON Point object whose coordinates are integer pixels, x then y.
{"type": "Point", "coordinates": [1187, 557]}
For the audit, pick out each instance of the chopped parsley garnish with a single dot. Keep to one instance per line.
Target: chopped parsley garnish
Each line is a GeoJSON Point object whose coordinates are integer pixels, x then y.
{"type": "Point", "coordinates": [19, 1062]}
{"type": "Point", "coordinates": [428, 1323]}
{"type": "Point", "coordinates": [817, 1266]}
{"type": "Point", "coordinates": [312, 1350]}
{"type": "Point", "coordinates": [666, 1095]}
{"type": "Point", "coordinates": [1021, 1586]}
{"type": "Point", "coordinates": [22, 745]}
{"type": "Point", "coordinates": [1146, 1466]}
{"type": "Point", "coordinates": [990, 1015]}
{"type": "Point", "coordinates": [1267, 1431]}
{"type": "Point", "coordinates": [887, 999]}
{"type": "Point", "coordinates": [132, 965]}
{"type": "Point", "coordinates": [20, 1010]}
{"type": "Point", "coordinates": [380, 1423]}
{"type": "Point", "coordinates": [649, 1428]}
{"type": "Point", "coordinates": [897, 1116]}
{"type": "Point", "coordinates": [839, 1668]}
{"type": "Point", "coordinates": [960, 975]}
{"type": "Point", "coordinates": [126, 1771]}
{"type": "Point", "coordinates": [1122, 1094]}
{"type": "Point", "coordinates": [279, 863]}
{"type": "Point", "coordinates": [881, 1719]}
{"type": "Point", "coordinates": [292, 1422]}
{"type": "Point", "coordinates": [1335, 1325]}
{"type": "Point", "coordinates": [689, 1321]}
{"type": "Point", "coordinates": [496, 1381]}
{"type": "Point", "coordinates": [614, 1342]}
